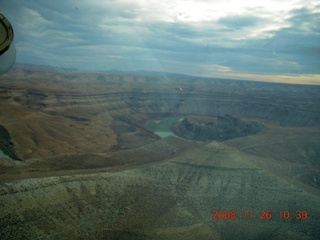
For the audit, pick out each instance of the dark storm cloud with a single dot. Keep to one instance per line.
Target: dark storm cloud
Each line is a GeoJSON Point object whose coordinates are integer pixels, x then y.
{"type": "Point", "coordinates": [303, 33]}
{"type": "Point", "coordinates": [294, 49]}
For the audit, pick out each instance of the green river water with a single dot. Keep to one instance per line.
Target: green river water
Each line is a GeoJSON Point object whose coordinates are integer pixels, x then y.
{"type": "Point", "coordinates": [161, 126]}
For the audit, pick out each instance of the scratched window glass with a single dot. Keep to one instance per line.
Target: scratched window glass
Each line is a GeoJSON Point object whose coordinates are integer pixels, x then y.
{"type": "Point", "coordinates": [180, 119]}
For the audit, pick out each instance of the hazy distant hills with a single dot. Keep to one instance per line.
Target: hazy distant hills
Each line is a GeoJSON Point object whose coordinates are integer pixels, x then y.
{"type": "Point", "coordinates": [224, 81]}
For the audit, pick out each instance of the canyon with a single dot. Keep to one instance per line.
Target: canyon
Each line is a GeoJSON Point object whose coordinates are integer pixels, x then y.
{"type": "Point", "coordinates": [84, 164]}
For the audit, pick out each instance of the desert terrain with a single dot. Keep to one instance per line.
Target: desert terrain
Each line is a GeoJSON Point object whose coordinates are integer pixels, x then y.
{"type": "Point", "coordinates": [81, 164]}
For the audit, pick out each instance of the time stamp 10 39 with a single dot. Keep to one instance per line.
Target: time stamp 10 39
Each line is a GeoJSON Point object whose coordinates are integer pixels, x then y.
{"type": "Point", "coordinates": [262, 214]}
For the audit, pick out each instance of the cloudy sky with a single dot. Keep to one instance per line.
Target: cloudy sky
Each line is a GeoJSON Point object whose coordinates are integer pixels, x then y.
{"type": "Point", "coordinates": [273, 40]}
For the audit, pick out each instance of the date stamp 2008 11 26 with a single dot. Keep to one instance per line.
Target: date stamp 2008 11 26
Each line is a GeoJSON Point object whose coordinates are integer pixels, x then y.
{"type": "Point", "coordinates": [263, 214]}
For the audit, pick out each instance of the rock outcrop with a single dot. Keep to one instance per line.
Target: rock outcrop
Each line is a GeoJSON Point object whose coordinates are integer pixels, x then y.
{"type": "Point", "coordinates": [6, 144]}
{"type": "Point", "coordinates": [224, 128]}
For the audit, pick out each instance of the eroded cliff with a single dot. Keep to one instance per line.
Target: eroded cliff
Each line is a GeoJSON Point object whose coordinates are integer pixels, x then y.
{"type": "Point", "coordinates": [220, 129]}
{"type": "Point", "coordinates": [48, 112]}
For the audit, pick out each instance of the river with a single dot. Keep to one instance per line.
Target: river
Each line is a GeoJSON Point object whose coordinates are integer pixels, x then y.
{"type": "Point", "coordinates": [161, 126]}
